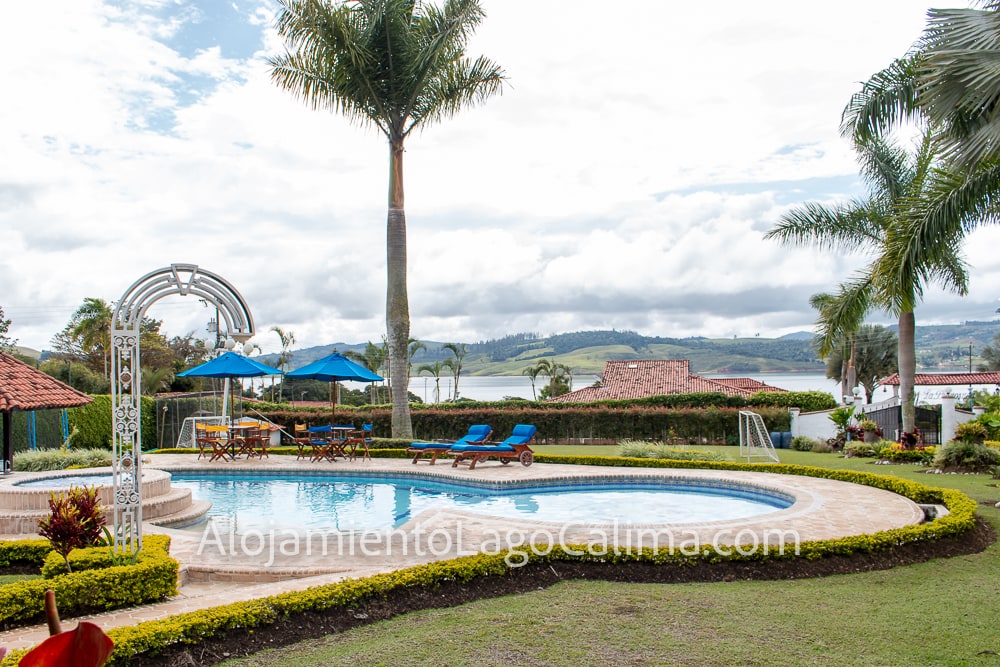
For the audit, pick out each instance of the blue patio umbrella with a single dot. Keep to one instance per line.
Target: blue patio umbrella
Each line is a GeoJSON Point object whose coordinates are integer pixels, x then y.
{"type": "Point", "coordinates": [230, 365]}
{"type": "Point", "coordinates": [334, 368]}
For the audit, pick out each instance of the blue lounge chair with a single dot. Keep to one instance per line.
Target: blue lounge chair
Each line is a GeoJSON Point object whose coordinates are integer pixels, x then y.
{"type": "Point", "coordinates": [514, 447]}
{"type": "Point", "coordinates": [477, 435]}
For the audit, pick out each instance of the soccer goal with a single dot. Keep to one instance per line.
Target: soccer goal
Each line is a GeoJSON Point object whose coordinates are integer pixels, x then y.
{"type": "Point", "coordinates": [187, 434]}
{"type": "Point", "coordinates": [754, 440]}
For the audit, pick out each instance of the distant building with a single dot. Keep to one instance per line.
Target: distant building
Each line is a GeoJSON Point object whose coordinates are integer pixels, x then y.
{"type": "Point", "coordinates": [639, 378]}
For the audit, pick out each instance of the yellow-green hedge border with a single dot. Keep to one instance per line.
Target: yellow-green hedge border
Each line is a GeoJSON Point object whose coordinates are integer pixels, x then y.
{"type": "Point", "coordinates": [153, 577]}
{"type": "Point", "coordinates": [190, 628]}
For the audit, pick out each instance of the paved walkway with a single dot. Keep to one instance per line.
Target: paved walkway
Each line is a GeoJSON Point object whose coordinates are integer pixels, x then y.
{"type": "Point", "coordinates": [219, 567]}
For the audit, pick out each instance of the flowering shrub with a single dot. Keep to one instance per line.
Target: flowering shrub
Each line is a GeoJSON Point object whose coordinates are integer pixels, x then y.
{"type": "Point", "coordinates": [971, 432]}
{"type": "Point", "coordinates": [76, 521]}
{"type": "Point", "coordinates": [910, 439]}
{"type": "Point", "coordinates": [868, 426]}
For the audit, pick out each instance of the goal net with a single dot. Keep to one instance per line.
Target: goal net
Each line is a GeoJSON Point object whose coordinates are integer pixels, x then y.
{"type": "Point", "coordinates": [754, 440]}
{"type": "Point", "coordinates": [186, 436]}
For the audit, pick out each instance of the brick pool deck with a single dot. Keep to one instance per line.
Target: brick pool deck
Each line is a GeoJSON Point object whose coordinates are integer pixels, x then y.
{"type": "Point", "coordinates": [218, 568]}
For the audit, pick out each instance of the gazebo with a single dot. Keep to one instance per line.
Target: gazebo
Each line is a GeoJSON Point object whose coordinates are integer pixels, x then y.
{"type": "Point", "coordinates": [25, 388]}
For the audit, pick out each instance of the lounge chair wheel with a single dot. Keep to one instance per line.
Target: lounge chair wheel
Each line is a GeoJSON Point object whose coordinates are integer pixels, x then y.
{"type": "Point", "coordinates": [526, 458]}
{"type": "Point", "coordinates": [505, 461]}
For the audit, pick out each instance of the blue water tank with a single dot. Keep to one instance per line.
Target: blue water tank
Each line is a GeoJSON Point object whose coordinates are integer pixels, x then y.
{"type": "Point", "coordinates": [776, 439]}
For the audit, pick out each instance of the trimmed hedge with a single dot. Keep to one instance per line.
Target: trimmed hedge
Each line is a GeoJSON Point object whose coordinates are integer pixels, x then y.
{"type": "Point", "coordinates": [152, 578]}
{"type": "Point", "coordinates": [610, 421]}
{"type": "Point", "coordinates": [191, 628]}
{"type": "Point", "coordinates": [24, 552]}
{"type": "Point", "coordinates": [90, 425]}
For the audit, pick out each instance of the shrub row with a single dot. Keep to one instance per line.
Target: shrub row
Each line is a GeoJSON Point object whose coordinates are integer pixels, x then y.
{"type": "Point", "coordinates": [696, 417]}
{"type": "Point", "coordinates": [40, 460]}
{"type": "Point", "coordinates": [191, 628]}
{"type": "Point", "coordinates": [90, 425]}
{"type": "Point", "coordinates": [153, 577]}
{"type": "Point", "coordinates": [24, 552]}
{"type": "Point", "coordinates": [570, 423]}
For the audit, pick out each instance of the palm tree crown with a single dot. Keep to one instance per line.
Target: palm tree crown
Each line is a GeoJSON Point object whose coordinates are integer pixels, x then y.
{"type": "Point", "coordinates": [397, 65]}
{"type": "Point", "coordinates": [878, 225]}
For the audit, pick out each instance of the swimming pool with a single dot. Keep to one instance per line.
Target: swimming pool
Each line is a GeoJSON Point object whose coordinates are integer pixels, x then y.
{"type": "Point", "coordinates": [354, 502]}
{"type": "Point", "coordinates": [67, 481]}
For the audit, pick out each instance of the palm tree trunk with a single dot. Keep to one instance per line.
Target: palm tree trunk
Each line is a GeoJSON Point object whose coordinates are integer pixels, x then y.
{"type": "Point", "coordinates": [397, 308]}
{"type": "Point", "coordinates": [852, 372]}
{"type": "Point", "coordinates": [907, 369]}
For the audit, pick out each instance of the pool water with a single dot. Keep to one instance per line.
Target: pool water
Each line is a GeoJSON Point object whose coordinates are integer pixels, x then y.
{"type": "Point", "coordinates": [67, 481]}
{"type": "Point", "coordinates": [252, 501]}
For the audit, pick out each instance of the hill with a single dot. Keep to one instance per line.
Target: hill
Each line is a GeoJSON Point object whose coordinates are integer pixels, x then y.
{"type": "Point", "coordinates": [939, 348]}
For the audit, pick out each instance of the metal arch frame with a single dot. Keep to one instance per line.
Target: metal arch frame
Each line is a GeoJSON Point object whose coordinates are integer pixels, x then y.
{"type": "Point", "coordinates": [126, 405]}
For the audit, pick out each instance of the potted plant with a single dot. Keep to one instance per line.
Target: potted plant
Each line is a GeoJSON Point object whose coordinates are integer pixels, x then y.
{"type": "Point", "coordinates": [871, 431]}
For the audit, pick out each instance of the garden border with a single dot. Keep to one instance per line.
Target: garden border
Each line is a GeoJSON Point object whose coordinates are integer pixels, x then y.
{"type": "Point", "coordinates": [292, 616]}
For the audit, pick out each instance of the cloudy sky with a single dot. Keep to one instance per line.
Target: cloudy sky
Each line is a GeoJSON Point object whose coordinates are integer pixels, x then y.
{"type": "Point", "coordinates": [624, 179]}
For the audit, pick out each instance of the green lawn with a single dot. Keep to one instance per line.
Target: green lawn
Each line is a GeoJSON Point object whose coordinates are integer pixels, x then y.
{"type": "Point", "coordinates": [943, 612]}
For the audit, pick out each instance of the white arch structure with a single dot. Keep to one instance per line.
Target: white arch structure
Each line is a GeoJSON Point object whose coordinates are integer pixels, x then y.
{"type": "Point", "coordinates": [126, 391]}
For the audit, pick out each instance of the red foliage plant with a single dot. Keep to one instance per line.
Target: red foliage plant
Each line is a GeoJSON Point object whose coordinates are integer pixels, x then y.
{"type": "Point", "coordinates": [76, 521]}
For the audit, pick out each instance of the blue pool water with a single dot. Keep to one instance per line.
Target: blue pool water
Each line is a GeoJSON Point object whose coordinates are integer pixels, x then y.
{"type": "Point", "coordinates": [296, 500]}
{"type": "Point", "coordinates": [68, 481]}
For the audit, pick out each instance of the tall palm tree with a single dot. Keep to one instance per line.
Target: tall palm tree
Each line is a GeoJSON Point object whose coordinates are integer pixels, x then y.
{"type": "Point", "coordinates": [373, 359]}
{"type": "Point", "coordinates": [836, 326]}
{"type": "Point", "coordinates": [923, 88]}
{"type": "Point", "coordinates": [414, 347]}
{"type": "Point", "coordinates": [91, 326]}
{"type": "Point", "coordinates": [875, 349]}
{"type": "Point", "coordinates": [991, 356]}
{"type": "Point", "coordinates": [459, 350]}
{"type": "Point", "coordinates": [532, 372]}
{"type": "Point", "coordinates": [397, 65]}
{"type": "Point", "coordinates": [434, 369]}
{"type": "Point", "coordinates": [287, 340]}
{"type": "Point", "coordinates": [559, 374]}
{"type": "Point", "coordinates": [874, 226]}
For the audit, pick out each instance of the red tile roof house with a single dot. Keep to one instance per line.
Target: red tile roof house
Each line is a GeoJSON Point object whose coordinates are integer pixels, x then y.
{"type": "Point", "coordinates": [25, 388]}
{"type": "Point", "coordinates": [639, 378]}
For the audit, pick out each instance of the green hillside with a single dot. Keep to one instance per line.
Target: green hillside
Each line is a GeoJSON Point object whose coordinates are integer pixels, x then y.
{"type": "Point", "coordinates": [939, 348]}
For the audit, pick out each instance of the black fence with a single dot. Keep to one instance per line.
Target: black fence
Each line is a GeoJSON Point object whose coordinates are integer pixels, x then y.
{"type": "Point", "coordinates": [890, 420]}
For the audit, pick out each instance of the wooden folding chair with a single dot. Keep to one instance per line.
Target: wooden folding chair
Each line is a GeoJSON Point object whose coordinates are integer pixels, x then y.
{"type": "Point", "coordinates": [265, 440]}
{"type": "Point", "coordinates": [218, 438]}
{"type": "Point", "coordinates": [248, 442]}
{"type": "Point", "coordinates": [302, 440]}
{"type": "Point", "coordinates": [201, 439]}
{"type": "Point", "coordinates": [361, 440]}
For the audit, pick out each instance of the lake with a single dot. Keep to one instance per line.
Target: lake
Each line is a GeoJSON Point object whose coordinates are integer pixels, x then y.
{"type": "Point", "coordinates": [497, 387]}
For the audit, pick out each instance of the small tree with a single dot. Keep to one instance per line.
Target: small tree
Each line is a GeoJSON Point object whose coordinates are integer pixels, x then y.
{"type": "Point", "coordinates": [76, 521]}
{"type": "Point", "coordinates": [6, 343]}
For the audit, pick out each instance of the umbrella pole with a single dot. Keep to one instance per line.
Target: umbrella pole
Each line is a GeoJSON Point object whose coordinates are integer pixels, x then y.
{"type": "Point", "coordinates": [333, 403]}
{"type": "Point", "coordinates": [225, 398]}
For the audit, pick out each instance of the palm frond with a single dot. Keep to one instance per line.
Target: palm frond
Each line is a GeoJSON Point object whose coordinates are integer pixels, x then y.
{"type": "Point", "coordinates": [847, 227]}
{"type": "Point", "coordinates": [959, 80]}
{"type": "Point", "coordinates": [842, 313]}
{"type": "Point", "coordinates": [886, 100]}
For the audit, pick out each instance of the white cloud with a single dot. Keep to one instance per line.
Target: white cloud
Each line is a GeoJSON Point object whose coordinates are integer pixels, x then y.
{"type": "Point", "coordinates": [624, 179]}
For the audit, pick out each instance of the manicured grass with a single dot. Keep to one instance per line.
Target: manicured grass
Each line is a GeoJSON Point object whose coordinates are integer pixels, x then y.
{"type": "Point", "coordinates": [11, 578]}
{"type": "Point", "coordinates": [978, 487]}
{"type": "Point", "coordinates": [938, 613]}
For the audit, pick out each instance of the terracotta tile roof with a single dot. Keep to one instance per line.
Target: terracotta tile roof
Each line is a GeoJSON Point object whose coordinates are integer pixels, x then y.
{"type": "Point", "coordinates": [25, 388]}
{"type": "Point", "coordinates": [945, 379]}
{"type": "Point", "coordinates": [639, 378]}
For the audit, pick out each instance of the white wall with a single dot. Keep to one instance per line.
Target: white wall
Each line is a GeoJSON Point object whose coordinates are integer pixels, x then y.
{"type": "Point", "coordinates": [818, 425]}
